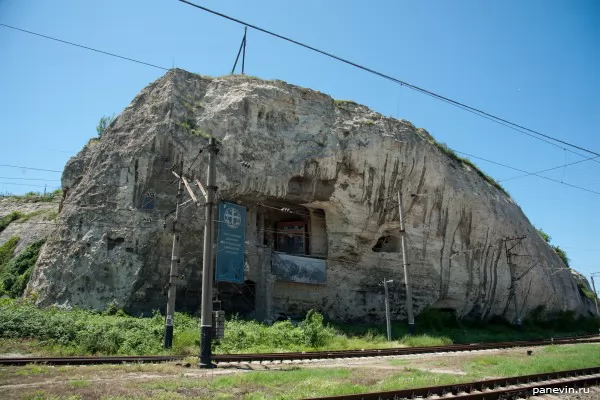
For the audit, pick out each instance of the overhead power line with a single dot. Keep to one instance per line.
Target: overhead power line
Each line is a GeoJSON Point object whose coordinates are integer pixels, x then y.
{"type": "Point", "coordinates": [29, 179]}
{"type": "Point", "coordinates": [28, 184]}
{"type": "Point", "coordinates": [548, 169]}
{"type": "Point", "coordinates": [31, 168]}
{"type": "Point", "coordinates": [396, 80]}
{"type": "Point", "coordinates": [528, 173]}
{"type": "Point", "coordinates": [85, 47]}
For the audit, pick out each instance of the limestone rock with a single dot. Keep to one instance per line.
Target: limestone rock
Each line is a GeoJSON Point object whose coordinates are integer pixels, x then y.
{"type": "Point", "coordinates": [38, 221]}
{"type": "Point", "coordinates": [336, 165]}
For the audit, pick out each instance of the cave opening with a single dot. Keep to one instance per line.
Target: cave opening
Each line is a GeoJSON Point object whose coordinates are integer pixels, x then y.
{"type": "Point", "coordinates": [293, 229]}
{"type": "Point", "coordinates": [387, 244]}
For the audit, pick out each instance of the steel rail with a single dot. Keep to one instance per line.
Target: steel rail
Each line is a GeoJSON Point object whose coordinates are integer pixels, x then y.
{"type": "Point", "coordinates": [312, 355]}
{"type": "Point", "coordinates": [315, 355]}
{"type": "Point", "coordinates": [502, 388]}
{"type": "Point", "coordinates": [87, 360]}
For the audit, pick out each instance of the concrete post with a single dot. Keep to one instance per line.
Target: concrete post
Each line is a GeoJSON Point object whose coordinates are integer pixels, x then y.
{"type": "Point", "coordinates": [387, 310]}
{"type": "Point", "coordinates": [170, 314]}
{"type": "Point", "coordinates": [207, 261]}
{"type": "Point", "coordinates": [409, 303]}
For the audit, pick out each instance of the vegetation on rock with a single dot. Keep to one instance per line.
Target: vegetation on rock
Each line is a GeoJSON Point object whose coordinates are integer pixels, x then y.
{"type": "Point", "coordinates": [15, 273]}
{"type": "Point", "coordinates": [35, 197]}
{"type": "Point", "coordinates": [443, 147]}
{"type": "Point", "coordinates": [560, 252]}
{"type": "Point", "coordinates": [7, 250]}
{"type": "Point", "coordinates": [7, 219]}
{"type": "Point", "coordinates": [104, 122]}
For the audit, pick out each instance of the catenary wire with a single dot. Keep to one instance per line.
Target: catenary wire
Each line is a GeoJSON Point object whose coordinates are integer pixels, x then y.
{"type": "Point", "coordinates": [390, 78]}
{"type": "Point", "coordinates": [84, 47]}
{"type": "Point", "coordinates": [530, 173]}
{"type": "Point", "coordinates": [31, 168]}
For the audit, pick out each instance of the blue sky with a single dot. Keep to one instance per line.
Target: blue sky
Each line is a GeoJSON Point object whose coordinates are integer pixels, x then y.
{"type": "Point", "coordinates": [535, 63]}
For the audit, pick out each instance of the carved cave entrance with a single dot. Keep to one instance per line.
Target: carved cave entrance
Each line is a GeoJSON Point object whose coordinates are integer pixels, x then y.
{"type": "Point", "coordinates": [293, 229]}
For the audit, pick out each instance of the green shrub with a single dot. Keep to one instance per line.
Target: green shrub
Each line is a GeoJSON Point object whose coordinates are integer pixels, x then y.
{"type": "Point", "coordinates": [315, 334]}
{"type": "Point", "coordinates": [433, 319]}
{"type": "Point", "coordinates": [7, 250]}
{"type": "Point", "coordinates": [562, 254]}
{"type": "Point", "coordinates": [584, 291]}
{"type": "Point", "coordinates": [16, 273]}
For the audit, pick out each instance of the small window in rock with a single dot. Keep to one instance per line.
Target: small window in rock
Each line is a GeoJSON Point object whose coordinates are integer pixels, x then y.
{"type": "Point", "coordinates": [148, 200]}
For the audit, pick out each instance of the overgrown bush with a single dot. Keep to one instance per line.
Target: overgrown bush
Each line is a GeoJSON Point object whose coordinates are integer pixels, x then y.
{"type": "Point", "coordinates": [88, 332]}
{"type": "Point", "coordinates": [15, 273]}
{"type": "Point", "coordinates": [7, 250]}
{"type": "Point", "coordinates": [433, 319]}
{"type": "Point", "coordinates": [586, 292]}
{"type": "Point", "coordinates": [315, 334]}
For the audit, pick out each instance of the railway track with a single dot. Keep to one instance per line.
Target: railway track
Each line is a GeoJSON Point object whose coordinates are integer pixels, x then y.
{"type": "Point", "coordinates": [313, 355]}
{"type": "Point", "coordinates": [504, 388]}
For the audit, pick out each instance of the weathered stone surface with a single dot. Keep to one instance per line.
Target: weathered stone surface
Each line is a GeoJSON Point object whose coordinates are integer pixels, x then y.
{"type": "Point", "coordinates": [305, 150]}
{"type": "Point", "coordinates": [38, 225]}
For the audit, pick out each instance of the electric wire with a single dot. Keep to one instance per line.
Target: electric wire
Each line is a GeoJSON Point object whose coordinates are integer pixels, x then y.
{"type": "Point", "coordinates": [529, 173]}
{"type": "Point", "coordinates": [84, 47]}
{"type": "Point", "coordinates": [548, 169]}
{"type": "Point", "coordinates": [390, 78]}
{"type": "Point", "coordinates": [31, 168]}
{"type": "Point", "coordinates": [29, 179]}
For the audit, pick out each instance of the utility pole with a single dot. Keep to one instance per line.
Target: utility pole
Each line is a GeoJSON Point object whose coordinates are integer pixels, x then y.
{"type": "Point", "coordinates": [513, 278]}
{"type": "Point", "coordinates": [387, 309]}
{"type": "Point", "coordinates": [409, 304]}
{"type": "Point", "coordinates": [595, 294]}
{"type": "Point", "coordinates": [170, 314]}
{"type": "Point", "coordinates": [207, 260]}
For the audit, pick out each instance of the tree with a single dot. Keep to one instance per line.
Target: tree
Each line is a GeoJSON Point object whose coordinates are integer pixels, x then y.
{"type": "Point", "coordinates": [103, 124]}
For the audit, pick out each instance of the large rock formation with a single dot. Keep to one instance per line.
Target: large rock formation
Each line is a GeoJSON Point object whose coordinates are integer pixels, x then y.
{"type": "Point", "coordinates": [336, 166]}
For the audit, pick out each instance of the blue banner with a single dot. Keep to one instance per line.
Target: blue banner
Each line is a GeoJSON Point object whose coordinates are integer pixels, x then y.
{"type": "Point", "coordinates": [231, 243]}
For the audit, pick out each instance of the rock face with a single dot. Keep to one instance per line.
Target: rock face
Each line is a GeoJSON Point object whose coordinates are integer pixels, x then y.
{"type": "Point", "coordinates": [36, 221]}
{"type": "Point", "coordinates": [325, 168]}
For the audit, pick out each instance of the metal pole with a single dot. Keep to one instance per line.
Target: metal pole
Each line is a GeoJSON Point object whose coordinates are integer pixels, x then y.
{"type": "Point", "coordinates": [387, 310]}
{"type": "Point", "coordinates": [207, 270]}
{"type": "Point", "coordinates": [595, 295]}
{"type": "Point", "coordinates": [170, 314]}
{"type": "Point", "coordinates": [409, 303]}
{"type": "Point", "coordinates": [513, 286]}
{"type": "Point", "coordinates": [244, 53]}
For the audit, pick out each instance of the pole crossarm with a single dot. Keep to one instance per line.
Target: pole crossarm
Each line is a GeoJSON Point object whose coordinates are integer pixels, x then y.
{"type": "Point", "coordinates": [204, 193]}
{"type": "Point", "coordinates": [189, 190]}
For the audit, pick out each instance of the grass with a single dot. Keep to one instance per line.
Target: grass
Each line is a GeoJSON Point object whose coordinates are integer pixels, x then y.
{"type": "Point", "coordinates": [190, 127]}
{"type": "Point", "coordinates": [439, 325]}
{"type": "Point", "coordinates": [47, 214]}
{"type": "Point", "coordinates": [34, 197]}
{"type": "Point", "coordinates": [7, 219]}
{"type": "Point", "coordinates": [344, 102]}
{"type": "Point", "coordinates": [54, 331]}
{"type": "Point", "coordinates": [166, 381]}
